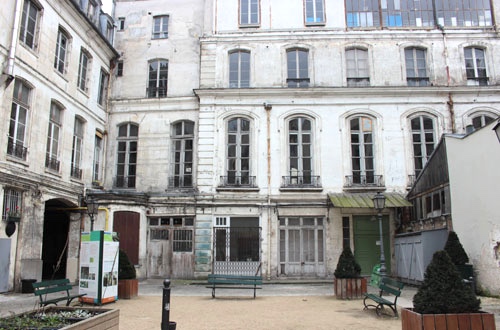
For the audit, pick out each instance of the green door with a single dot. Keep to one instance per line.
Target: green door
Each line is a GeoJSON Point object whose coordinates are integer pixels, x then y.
{"type": "Point", "coordinates": [366, 235]}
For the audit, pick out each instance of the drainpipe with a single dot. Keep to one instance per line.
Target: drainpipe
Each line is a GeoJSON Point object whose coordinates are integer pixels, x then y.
{"type": "Point", "coordinates": [268, 108]}
{"type": "Point", "coordinates": [9, 70]}
{"type": "Point", "coordinates": [445, 54]}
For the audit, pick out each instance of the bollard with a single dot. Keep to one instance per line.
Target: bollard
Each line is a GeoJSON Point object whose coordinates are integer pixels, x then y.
{"type": "Point", "coordinates": [165, 315]}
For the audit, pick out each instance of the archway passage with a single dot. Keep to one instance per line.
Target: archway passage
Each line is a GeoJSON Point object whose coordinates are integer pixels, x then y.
{"type": "Point", "coordinates": [55, 240]}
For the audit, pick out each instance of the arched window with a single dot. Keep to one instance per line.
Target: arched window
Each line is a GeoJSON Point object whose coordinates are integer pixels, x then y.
{"type": "Point", "coordinates": [158, 78]}
{"type": "Point", "coordinates": [239, 69]}
{"type": "Point", "coordinates": [358, 72]}
{"type": "Point", "coordinates": [297, 68]}
{"type": "Point", "coordinates": [362, 151]}
{"type": "Point", "coordinates": [423, 139]}
{"type": "Point", "coordinates": [21, 101]}
{"type": "Point", "coordinates": [54, 136]}
{"type": "Point", "coordinates": [182, 146]}
{"type": "Point", "coordinates": [126, 165]}
{"type": "Point", "coordinates": [300, 152]}
{"type": "Point", "coordinates": [475, 66]}
{"type": "Point", "coordinates": [481, 120]}
{"type": "Point", "coordinates": [238, 153]}
{"type": "Point", "coordinates": [416, 67]}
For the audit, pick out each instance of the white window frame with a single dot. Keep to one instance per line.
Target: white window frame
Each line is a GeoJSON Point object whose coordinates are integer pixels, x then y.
{"type": "Point", "coordinates": [423, 144]}
{"type": "Point", "coordinates": [239, 68]}
{"type": "Point", "coordinates": [76, 152]}
{"type": "Point", "coordinates": [54, 137]}
{"type": "Point", "coordinates": [314, 12]}
{"type": "Point", "coordinates": [84, 70]}
{"type": "Point", "coordinates": [63, 47]}
{"type": "Point", "coordinates": [182, 171]}
{"type": "Point", "coordinates": [30, 24]}
{"type": "Point", "coordinates": [475, 66]}
{"type": "Point", "coordinates": [297, 64]}
{"type": "Point", "coordinates": [160, 27]}
{"type": "Point", "coordinates": [357, 67]}
{"type": "Point", "coordinates": [249, 12]}
{"type": "Point", "coordinates": [17, 136]}
{"type": "Point", "coordinates": [417, 73]}
{"type": "Point", "coordinates": [298, 175]}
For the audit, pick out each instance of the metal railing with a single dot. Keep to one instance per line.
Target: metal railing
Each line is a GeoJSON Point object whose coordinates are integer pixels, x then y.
{"type": "Point", "coordinates": [122, 181]}
{"type": "Point", "coordinates": [180, 182]}
{"type": "Point", "coordinates": [246, 181]}
{"type": "Point", "coordinates": [301, 181]}
{"type": "Point", "coordinates": [156, 92]}
{"type": "Point", "coordinates": [52, 163]}
{"type": "Point", "coordinates": [76, 172]}
{"type": "Point", "coordinates": [17, 150]}
{"type": "Point", "coordinates": [358, 180]}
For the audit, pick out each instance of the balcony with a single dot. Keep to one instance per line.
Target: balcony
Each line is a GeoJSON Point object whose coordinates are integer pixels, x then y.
{"type": "Point", "coordinates": [122, 181]}
{"type": "Point", "coordinates": [180, 182]}
{"type": "Point", "coordinates": [238, 182]}
{"type": "Point", "coordinates": [152, 92]}
{"type": "Point", "coordinates": [301, 182]}
{"type": "Point", "coordinates": [16, 150]}
{"type": "Point", "coordinates": [364, 181]}
{"type": "Point", "coordinates": [76, 172]}
{"type": "Point", "coordinates": [417, 82]}
{"type": "Point", "coordinates": [52, 163]}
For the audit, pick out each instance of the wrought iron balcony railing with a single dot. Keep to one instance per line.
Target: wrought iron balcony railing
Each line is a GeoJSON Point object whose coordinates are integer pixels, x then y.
{"type": "Point", "coordinates": [301, 181]}
{"type": "Point", "coordinates": [240, 181]}
{"type": "Point", "coordinates": [17, 150]}
{"type": "Point", "coordinates": [52, 163]}
{"type": "Point", "coordinates": [417, 82]}
{"type": "Point", "coordinates": [76, 172]}
{"type": "Point", "coordinates": [156, 92]}
{"type": "Point", "coordinates": [185, 181]}
{"type": "Point", "coordinates": [122, 181]}
{"type": "Point", "coordinates": [358, 180]}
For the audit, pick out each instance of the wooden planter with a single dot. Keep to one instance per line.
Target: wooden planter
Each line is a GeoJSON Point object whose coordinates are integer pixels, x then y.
{"type": "Point", "coordinates": [349, 288]}
{"type": "Point", "coordinates": [108, 319]}
{"type": "Point", "coordinates": [128, 288]}
{"type": "Point", "coordinates": [411, 320]}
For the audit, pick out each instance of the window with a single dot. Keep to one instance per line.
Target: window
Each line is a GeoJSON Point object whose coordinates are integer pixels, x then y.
{"type": "Point", "coordinates": [54, 137]}
{"type": "Point", "coordinates": [12, 202]}
{"type": "Point", "coordinates": [238, 239]}
{"type": "Point", "coordinates": [102, 93]}
{"type": "Point", "coordinates": [158, 77]}
{"type": "Point", "coordinates": [239, 69]}
{"type": "Point", "coordinates": [160, 27]}
{"type": "Point", "coordinates": [297, 68]}
{"type": "Point", "coordinates": [358, 74]}
{"type": "Point", "coordinates": [362, 151]}
{"type": "Point", "coordinates": [121, 23]}
{"type": "Point", "coordinates": [397, 13]}
{"type": "Point", "coordinates": [315, 11]}
{"type": "Point", "coordinates": [481, 120]}
{"type": "Point", "coordinates": [96, 175]}
{"type": "Point", "coordinates": [127, 156]}
{"type": "Point", "coordinates": [179, 227]}
{"type": "Point", "coordinates": [238, 152]}
{"type": "Point", "coordinates": [423, 137]}
{"type": "Point", "coordinates": [18, 120]}
{"type": "Point", "coordinates": [182, 139]}
{"type": "Point", "coordinates": [346, 232]}
{"type": "Point", "coordinates": [30, 21]}
{"type": "Point", "coordinates": [183, 240]}
{"type": "Point", "coordinates": [83, 70]}
{"type": "Point", "coordinates": [119, 69]}
{"type": "Point", "coordinates": [76, 153]}
{"type": "Point", "coordinates": [362, 13]}
{"type": "Point", "coordinates": [62, 49]}
{"type": "Point", "coordinates": [475, 66]}
{"type": "Point", "coordinates": [300, 152]}
{"type": "Point", "coordinates": [249, 12]}
{"type": "Point", "coordinates": [464, 13]}
{"type": "Point", "coordinates": [416, 68]}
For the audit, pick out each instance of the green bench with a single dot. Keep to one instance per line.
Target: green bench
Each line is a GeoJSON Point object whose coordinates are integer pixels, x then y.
{"type": "Point", "coordinates": [222, 281]}
{"type": "Point", "coordinates": [59, 290]}
{"type": "Point", "coordinates": [389, 289]}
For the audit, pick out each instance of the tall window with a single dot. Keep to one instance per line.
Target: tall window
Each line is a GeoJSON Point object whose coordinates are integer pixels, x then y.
{"type": "Point", "coordinates": [16, 145]}
{"type": "Point", "coordinates": [358, 73]}
{"type": "Point", "coordinates": [362, 13]}
{"type": "Point", "coordinates": [102, 93]}
{"type": "Point", "coordinates": [300, 151]}
{"type": "Point", "coordinates": [83, 69]}
{"type": "Point", "coordinates": [96, 175]}
{"type": "Point", "coordinates": [12, 202]}
{"type": "Point", "coordinates": [463, 13]}
{"type": "Point", "coordinates": [249, 12]}
{"type": "Point", "coordinates": [158, 78]}
{"type": "Point", "coordinates": [239, 69]}
{"type": "Point", "coordinates": [475, 66]}
{"type": "Point", "coordinates": [238, 152]}
{"type": "Point", "coordinates": [62, 49]}
{"type": "Point", "coordinates": [127, 156]}
{"type": "Point", "coordinates": [315, 11]}
{"type": "Point", "coordinates": [396, 13]}
{"type": "Point", "coordinates": [481, 120]}
{"type": "Point", "coordinates": [297, 68]}
{"type": "Point", "coordinates": [30, 20]}
{"type": "Point", "coordinates": [160, 27]}
{"type": "Point", "coordinates": [416, 68]}
{"type": "Point", "coordinates": [423, 137]}
{"type": "Point", "coordinates": [76, 152]}
{"type": "Point", "coordinates": [53, 137]}
{"type": "Point", "coordinates": [362, 156]}
{"type": "Point", "coordinates": [182, 139]}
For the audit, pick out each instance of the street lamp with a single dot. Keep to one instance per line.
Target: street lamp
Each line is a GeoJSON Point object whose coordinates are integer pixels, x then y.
{"type": "Point", "coordinates": [379, 205]}
{"type": "Point", "coordinates": [92, 209]}
{"type": "Point", "coordinates": [496, 128]}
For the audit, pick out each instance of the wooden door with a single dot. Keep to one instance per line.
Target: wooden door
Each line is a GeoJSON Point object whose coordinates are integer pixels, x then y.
{"type": "Point", "coordinates": [127, 224]}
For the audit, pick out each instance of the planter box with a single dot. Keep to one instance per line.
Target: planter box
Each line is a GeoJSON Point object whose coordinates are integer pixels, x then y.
{"type": "Point", "coordinates": [350, 288]}
{"type": "Point", "coordinates": [411, 320]}
{"type": "Point", "coordinates": [108, 319]}
{"type": "Point", "coordinates": [128, 288]}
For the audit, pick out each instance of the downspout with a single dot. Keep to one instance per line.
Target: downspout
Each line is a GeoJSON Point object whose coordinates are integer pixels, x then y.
{"type": "Point", "coordinates": [9, 70]}
{"type": "Point", "coordinates": [449, 103]}
{"type": "Point", "coordinates": [268, 108]}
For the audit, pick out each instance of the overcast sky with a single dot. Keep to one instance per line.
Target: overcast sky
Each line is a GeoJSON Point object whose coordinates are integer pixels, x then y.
{"type": "Point", "coordinates": [106, 6]}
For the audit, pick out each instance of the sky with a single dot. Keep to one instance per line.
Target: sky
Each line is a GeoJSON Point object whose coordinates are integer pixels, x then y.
{"type": "Point", "coordinates": [106, 6]}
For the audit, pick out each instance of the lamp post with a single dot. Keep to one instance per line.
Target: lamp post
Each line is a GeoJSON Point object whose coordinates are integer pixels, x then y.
{"type": "Point", "coordinates": [92, 209]}
{"type": "Point", "coordinates": [379, 204]}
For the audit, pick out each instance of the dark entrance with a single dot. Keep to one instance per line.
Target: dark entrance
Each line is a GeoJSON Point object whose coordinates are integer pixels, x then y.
{"type": "Point", "coordinates": [55, 241]}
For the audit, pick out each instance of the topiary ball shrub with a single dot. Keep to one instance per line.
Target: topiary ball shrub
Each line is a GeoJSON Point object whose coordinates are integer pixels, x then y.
{"type": "Point", "coordinates": [443, 290]}
{"type": "Point", "coordinates": [455, 250]}
{"type": "Point", "coordinates": [347, 266]}
{"type": "Point", "coordinates": [126, 270]}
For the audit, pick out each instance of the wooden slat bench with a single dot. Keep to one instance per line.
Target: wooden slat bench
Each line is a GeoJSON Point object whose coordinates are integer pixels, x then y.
{"type": "Point", "coordinates": [54, 288]}
{"type": "Point", "coordinates": [222, 281]}
{"type": "Point", "coordinates": [390, 288]}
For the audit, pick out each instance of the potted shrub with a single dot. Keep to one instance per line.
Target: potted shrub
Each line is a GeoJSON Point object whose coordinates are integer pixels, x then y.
{"type": "Point", "coordinates": [443, 301]}
{"type": "Point", "coordinates": [348, 284]}
{"type": "Point", "coordinates": [128, 285]}
{"type": "Point", "coordinates": [459, 258]}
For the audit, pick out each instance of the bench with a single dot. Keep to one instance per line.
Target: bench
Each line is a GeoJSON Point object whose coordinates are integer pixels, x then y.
{"type": "Point", "coordinates": [54, 287]}
{"type": "Point", "coordinates": [222, 281]}
{"type": "Point", "coordinates": [390, 288]}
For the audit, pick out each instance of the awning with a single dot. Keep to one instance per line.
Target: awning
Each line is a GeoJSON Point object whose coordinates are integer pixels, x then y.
{"type": "Point", "coordinates": [364, 200]}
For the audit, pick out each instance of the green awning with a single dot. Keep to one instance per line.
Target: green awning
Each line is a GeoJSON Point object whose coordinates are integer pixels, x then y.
{"type": "Point", "coordinates": [364, 200]}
